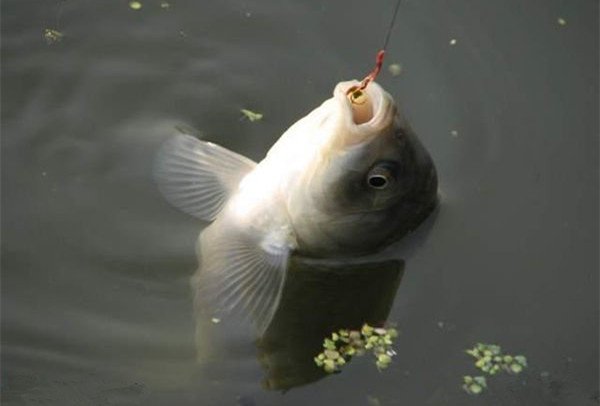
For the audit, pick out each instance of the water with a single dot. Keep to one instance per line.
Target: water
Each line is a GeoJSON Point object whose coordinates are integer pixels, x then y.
{"type": "Point", "coordinates": [96, 307]}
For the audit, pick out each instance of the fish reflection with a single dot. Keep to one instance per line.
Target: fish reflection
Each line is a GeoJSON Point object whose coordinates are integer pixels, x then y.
{"type": "Point", "coordinates": [320, 297]}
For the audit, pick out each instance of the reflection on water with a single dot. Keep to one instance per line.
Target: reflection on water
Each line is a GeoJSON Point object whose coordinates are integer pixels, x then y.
{"type": "Point", "coordinates": [319, 298]}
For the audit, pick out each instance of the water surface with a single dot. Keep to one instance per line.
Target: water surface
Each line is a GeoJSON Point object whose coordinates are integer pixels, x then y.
{"type": "Point", "coordinates": [96, 307]}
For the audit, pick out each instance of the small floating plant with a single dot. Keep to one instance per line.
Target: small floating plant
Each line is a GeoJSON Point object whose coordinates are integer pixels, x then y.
{"type": "Point", "coordinates": [52, 36]}
{"type": "Point", "coordinates": [490, 360]}
{"type": "Point", "coordinates": [344, 344]}
{"type": "Point", "coordinates": [251, 115]}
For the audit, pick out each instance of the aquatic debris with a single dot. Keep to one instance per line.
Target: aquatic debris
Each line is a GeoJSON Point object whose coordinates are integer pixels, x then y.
{"type": "Point", "coordinates": [490, 360]}
{"type": "Point", "coordinates": [215, 320]}
{"type": "Point", "coordinates": [342, 345]}
{"type": "Point", "coordinates": [395, 69]}
{"type": "Point", "coordinates": [453, 41]}
{"type": "Point", "coordinates": [474, 385]}
{"type": "Point", "coordinates": [251, 115]}
{"type": "Point", "coordinates": [135, 5]}
{"type": "Point", "coordinates": [454, 133]}
{"type": "Point", "coordinates": [561, 21]}
{"type": "Point", "coordinates": [52, 36]}
{"type": "Point", "coordinates": [165, 5]}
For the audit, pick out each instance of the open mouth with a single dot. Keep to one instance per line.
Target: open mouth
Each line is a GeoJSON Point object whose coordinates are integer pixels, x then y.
{"type": "Point", "coordinates": [362, 107]}
{"type": "Point", "coordinates": [369, 106]}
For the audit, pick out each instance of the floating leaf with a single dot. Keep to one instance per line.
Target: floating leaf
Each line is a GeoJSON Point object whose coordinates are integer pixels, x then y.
{"type": "Point", "coordinates": [480, 380]}
{"type": "Point", "coordinates": [474, 385]}
{"type": "Point", "coordinates": [251, 115]}
{"type": "Point", "coordinates": [489, 359]}
{"type": "Point", "coordinates": [329, 365]}
{"type": "Point", "coordinates": [52, 36]}
{"type": "Point", "coordinates": [516, 368]}
{"type": "Point", "coordinates": [329, 344]}
{"type": "Point", "coordinates": [395, 69]}
{"type": "Point", "coordinates": [332, 354]}
{"type": "Point", "coordinates": [367, 330]}
{"type": "Point", "coordinates": [344, 344]}
{"type": "Point", "coordinates": [521, 360]}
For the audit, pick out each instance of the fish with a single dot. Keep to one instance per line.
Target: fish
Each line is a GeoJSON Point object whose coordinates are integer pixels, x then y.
{"type": "Point", "coordinates": [346, 180]}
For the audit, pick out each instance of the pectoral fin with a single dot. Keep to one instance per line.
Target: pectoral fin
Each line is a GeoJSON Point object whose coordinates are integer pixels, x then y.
{"type": "Point", "coordinates": [240, 273]}
{"type": "Point", "coordinates": [197, 177]}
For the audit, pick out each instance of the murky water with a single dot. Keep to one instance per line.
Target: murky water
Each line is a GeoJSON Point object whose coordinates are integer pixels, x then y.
{"type": "Point", "coordinates": [96, 307]}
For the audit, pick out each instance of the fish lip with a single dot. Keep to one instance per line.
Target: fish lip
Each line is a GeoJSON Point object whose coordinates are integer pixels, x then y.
{"type": "Point", "coordinates": [383, 106]}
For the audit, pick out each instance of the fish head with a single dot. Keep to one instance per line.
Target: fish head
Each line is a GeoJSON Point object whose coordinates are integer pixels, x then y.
{"type": "Point", "coordinates": [369, 181]}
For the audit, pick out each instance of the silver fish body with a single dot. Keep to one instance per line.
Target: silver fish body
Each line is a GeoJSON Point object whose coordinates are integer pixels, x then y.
{"type": "Point", "coordinates": [345, 180]}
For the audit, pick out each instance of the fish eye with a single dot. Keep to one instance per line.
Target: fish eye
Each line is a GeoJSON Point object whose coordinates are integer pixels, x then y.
{"type": "Point", "coordinates": [380, 177]}
{"type": "Point", "coordinates": [378, 181]}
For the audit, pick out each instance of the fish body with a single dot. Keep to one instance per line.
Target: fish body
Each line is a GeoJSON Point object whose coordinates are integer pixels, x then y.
{"type": "Point", "coordinates": [345, 180]}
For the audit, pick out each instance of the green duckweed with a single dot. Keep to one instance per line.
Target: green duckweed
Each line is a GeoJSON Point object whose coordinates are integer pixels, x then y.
{"type": "Point", "coordinates": [490, 360]}
{"type": "Point", "coordinates": [251, 115]}
{"type": "Point", "coordinates": [474, 385]}
{"type": "Point", "coordinates": [135, 5]}
{"type": "Point", "coordinates": [52, 36]}
{"type": "Point", "coordinates": [343, 344]}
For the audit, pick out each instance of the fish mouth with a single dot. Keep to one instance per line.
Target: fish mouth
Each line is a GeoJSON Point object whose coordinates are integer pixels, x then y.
{"type": "Point", "coordinates": [374, 110]}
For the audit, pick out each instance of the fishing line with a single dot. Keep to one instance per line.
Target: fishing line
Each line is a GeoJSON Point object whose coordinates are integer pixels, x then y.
{"type": "Point", "coordinates": [355, 92]}
{"type": "Point", "coordinates": [391, 27]}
